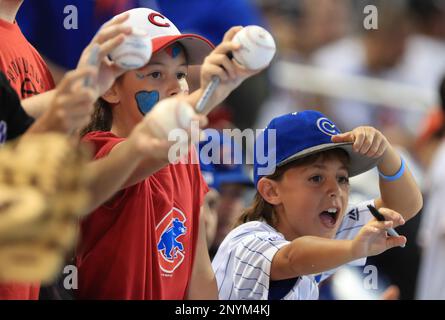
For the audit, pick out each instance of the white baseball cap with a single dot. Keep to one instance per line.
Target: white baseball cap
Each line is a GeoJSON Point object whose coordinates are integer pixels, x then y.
{"type": "Point", "coordinates": [163, 33]}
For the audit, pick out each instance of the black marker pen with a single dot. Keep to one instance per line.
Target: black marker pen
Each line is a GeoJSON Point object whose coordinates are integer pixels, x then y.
{"type": "Point", "coordinates": [380, 217]}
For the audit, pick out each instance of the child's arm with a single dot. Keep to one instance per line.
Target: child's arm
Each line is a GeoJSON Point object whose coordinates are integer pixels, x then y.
{"type": "Point", "coordinates": [402, 195]}
{"type": "Point", "coordinates": [202, 285]}
{"type": "Point", "coordinates": [312, 255]}
{"type": "Point", "coordinates": [110, 173]}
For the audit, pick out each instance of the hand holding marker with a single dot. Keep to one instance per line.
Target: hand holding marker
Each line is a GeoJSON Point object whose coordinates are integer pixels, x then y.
{"type": "Point", "coordinates": [380, 217]}
{"type": "Point", "coordinates": [257, 50]}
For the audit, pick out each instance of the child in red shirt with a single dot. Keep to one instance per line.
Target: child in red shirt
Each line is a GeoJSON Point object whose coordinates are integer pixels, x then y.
{"type": "Point", "coordinates": [148, 241]}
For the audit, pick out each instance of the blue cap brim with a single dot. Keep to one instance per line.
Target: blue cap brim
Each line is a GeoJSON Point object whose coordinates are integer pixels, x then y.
{"type": "Point", "coordinates": [358, 163]}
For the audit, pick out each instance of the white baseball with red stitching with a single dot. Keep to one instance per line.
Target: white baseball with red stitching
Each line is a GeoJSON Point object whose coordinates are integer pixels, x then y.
{"type": "Point", "coordinates": [134, 52]}
{"type": "Point", "coordinates": [257, 47]}
{"type": "Point", "coordinates": [167, 115]}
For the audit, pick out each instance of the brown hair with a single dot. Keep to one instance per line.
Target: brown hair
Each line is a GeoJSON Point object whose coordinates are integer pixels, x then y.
{"type": "Point", "coordinates": [261, 209]}
{"type": "Point", "coordinates": [101, 119]}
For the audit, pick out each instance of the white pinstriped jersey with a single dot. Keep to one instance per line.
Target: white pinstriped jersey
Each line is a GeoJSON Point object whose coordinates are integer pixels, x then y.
{"type": "Point", "coordinates": [243, 261]}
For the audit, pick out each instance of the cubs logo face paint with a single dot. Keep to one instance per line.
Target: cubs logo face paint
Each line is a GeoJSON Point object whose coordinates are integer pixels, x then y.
{"type": "Point", "coordinates": [146, 100]}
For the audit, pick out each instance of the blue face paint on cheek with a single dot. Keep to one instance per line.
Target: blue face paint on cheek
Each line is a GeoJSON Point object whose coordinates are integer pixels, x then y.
{"type": "Point", "coordinates": [146, 100]}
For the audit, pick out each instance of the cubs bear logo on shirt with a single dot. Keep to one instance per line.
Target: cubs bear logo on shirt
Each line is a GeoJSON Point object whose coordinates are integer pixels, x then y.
{"type": "Point", "coordinates": [169, 233]}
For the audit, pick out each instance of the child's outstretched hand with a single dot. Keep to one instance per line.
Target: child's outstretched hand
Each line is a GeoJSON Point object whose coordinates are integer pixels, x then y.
{"type": "Point", "coordinates": [109, 37]}
{"type": "Point", "coordinates": [373, 239]}
{"type": "Point", "coordinates": [231, 73]}
{"type": "Point", "coordinates": [72, 104]}
{"type": "Point", "coordinates": [366, 140]}
{"type": "Point", "coordinates": [151, 136]}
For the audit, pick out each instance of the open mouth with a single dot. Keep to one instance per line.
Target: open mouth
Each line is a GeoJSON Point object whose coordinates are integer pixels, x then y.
{"type": "Point", "coordinates": [329, 217]}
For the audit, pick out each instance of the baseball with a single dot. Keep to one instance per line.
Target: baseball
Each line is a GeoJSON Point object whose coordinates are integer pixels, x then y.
{"type": "Point", "coordinates": [134, 52]}
{"type": "Point", "coordinates": [257, 47]}
{"type": "Point", "coordinates": [167, 115]}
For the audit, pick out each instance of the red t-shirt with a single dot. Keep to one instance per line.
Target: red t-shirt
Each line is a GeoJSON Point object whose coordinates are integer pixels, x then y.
{"type": "Point", "coordinates": [141, 244]}
{"type": "Point", "coordinates": [28, 75]}
{"type": "Point", "coordinates": [21, 63]}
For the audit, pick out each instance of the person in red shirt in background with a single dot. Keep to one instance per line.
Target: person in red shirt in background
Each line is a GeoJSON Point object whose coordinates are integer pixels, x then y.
{"type": "Point", "coordinates": [148, 241]}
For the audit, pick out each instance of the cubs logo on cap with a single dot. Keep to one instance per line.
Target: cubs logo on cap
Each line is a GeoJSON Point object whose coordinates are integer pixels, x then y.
{"type": "Point", "coordinates": [300, 134]}
{"type": "Point", "coordinates": [163, 33]}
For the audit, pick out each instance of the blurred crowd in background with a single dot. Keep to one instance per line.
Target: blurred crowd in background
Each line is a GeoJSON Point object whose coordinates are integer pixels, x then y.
{"type": "Point", "coordinates": [326, 60]}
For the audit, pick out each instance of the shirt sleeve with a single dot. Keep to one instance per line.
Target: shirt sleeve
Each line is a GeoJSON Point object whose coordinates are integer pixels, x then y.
{"type": "Point", "coordinates": [14, 116]}
{"type": "Point", "coordinates": [252, 263]}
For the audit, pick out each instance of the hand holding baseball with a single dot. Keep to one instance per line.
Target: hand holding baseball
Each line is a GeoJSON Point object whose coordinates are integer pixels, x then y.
{"type": "Point", "coordinates": [110, 36]}
{"type": "Point", "coordinates": [151, 135]}
{"type": "Point", "coordinates": [247, 52]}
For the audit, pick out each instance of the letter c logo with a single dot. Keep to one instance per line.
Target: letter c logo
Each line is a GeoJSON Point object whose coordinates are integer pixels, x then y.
{"type": "Point", "coordinates": [152, 16]}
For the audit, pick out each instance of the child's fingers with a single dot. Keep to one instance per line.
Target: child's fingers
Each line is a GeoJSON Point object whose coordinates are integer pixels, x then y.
{"type": "Point", "coordinates": [109, 45]}
{"type": "Point", "coordinates": [70, 101]}
{"type": "Point", "coordinates": [360, 136]}
{"type": "Point", "coordinates": [223, 60]}
{"type": "Point", "coordinates": [382, 148]}
{"type": "Point", "coordinates": [226, 47]}
{"type": "Point", "coordinates": [73, 76]}
{"type": "Point", "coordinates": [376, 142]}
{"type": "Point", "coordinates": [228, 36]}
{"type": "Point", "coordinates": [343, 137]}
{"type": "Point", "coordinates": [381, 226]}
{"type": "Point", "coordinates": [116, 20]}
{"type": "Point", "coordinates": [392, 242]}
{"type": "Point", "coordinates": [391, 293]}
{"type": "Point", "coordinates": [108, 33]}
{"type": "Point", "coordinates": [392, 215]}
{"type": "Point", "coordinates": [79, 92]}
{"type": "Point", "coordinates": [213, 70]}
{"type": "Point", "coordinates": [78, 87]}
{"type": "Point", "coordinates": [367, 142]}
{"type": "Point", "coordinates": [203, 120]}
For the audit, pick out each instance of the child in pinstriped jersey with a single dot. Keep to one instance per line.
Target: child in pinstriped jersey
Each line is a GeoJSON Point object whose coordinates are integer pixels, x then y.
{"type": "Point", "coordinates": [300, 226]}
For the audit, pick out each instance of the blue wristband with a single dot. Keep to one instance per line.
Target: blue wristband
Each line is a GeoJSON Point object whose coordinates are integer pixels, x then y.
{"type": "Point", "coordinates": [397, 175]}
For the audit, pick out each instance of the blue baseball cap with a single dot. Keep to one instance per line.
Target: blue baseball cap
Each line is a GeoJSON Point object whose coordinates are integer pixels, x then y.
{"type": "Point", "coordinates": [299, 134]}
{"type": "Point", "coordinates": [216, 173]}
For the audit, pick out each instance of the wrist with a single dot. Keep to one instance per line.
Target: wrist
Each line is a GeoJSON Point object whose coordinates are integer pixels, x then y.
{"type": "Point", "coordinates": [354, 250]}
{"type": "Point", "coordinates": [136, 147]}
{"type": "Point", "coordinates": [49, 122]}
{"type": "Point", "coordinates": [391, 163]}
